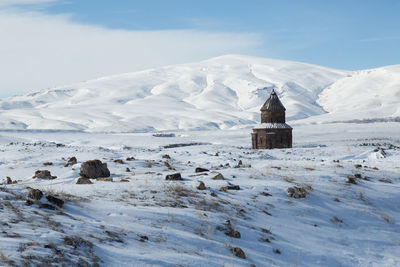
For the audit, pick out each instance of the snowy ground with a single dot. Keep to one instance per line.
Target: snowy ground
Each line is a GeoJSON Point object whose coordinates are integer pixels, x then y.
{"type": "Point", "coordinates": [149, 221]}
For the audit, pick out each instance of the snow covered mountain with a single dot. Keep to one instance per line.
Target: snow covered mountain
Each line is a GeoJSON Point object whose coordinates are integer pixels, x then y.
{"type": "Point", "coordinates": [222, 92]}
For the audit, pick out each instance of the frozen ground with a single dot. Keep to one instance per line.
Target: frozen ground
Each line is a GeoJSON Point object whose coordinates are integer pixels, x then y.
{"type": "Point", "coordinates": [148, 221]}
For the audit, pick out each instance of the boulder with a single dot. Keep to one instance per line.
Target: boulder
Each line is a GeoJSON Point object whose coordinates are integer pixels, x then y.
{"type": "Point", "coordinates": [35, 194]}
{"type": "Point", "coordinates": [218, 177]}
{"type": "Point", "coordinates": [71, 161]}
{"type": "Point", "coordinates": [55, 200]}
{"type": "Point", "coordinates": [201, 170]}
{"type": "Point", "coordinates": [43, 174]}
{"type": "Point", "coordinates": [94, 169]}
{"type": "Point", "coordinates": [297, 192]}
{"type": "Point", "coordinates": [174, 177]}
{"type": "Point", "coordinates": [238, 252]}
{"type": "Point", "coordinates": [201, 186]}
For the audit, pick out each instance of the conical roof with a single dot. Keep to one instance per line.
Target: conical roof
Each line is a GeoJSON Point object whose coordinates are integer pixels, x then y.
{"type": "Point", "coordinates": [273, 103]}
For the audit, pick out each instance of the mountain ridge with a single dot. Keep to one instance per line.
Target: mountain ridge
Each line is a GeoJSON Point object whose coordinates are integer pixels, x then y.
{"type": "Point", "coordinates": [218, 93]}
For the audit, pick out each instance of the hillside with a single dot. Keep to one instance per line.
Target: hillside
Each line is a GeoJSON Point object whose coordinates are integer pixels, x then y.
{"type": "Point", "coordinates": [219, 93]}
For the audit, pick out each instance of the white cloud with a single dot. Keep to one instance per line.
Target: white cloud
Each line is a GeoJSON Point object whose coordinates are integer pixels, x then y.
{"type": "Point", "coordinates": [39, 51]}
{"type": "Point", "coordinates": [23, 2]}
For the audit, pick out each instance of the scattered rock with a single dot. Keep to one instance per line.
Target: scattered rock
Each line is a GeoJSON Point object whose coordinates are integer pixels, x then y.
{"type": "Point", "coordinates": [201, 170]}
{"type": "Point", "coordinates": [120, 161]}
{"type": "Point", "coordinates": [276, 251]}
{"type": "Point", "coordinates": [238, 252]}
{"type": "Point", "coordinates": [29, 202]}
{"type": "Point", "coordinates": [201, 186]}
{"type": "Point", "coordinates": [240, 164]}
{"type": "Point", "coordinates": [130, 159]}
{"type": "Point", "coordinates": [166, 156]}
{"type": "Point", "coordinates": [229, 187]}
{"type": "Point", "coordinates": [230, 231]}
{"type": "Point", "coordinates": [47, 206]}
{"type": "Point", "coordinates": [104, 179]}
{"type": "Point", "coordinates": [351, 180]}
{"type": "Point", "coordinates": [71, 161]}
{"type": "Point", "coordinates": [233, 233]}
{"type": "Point", "coordinates": [124, 180]}
{"type": "Point", "coordinates": [9, 181]}
{"type": "Point", "coordinates": [218, 177]}
{"type": "Point", "coordinates": [35, 194]}
{"type": "Point", "coordinates": [55, 200]}
{"type": "Point", "coordinates": [357, 175]}
{"type": "Point", "coordinates": [143, 238]}
{"type": "Point", "coordinates": [357, 166]}
{"type": "Point", "coordinates": [94, 169]}
{"type": "Point", "coordinates": [127, 169]}
{"type": "Point", "coordinates": [84, 180]}
{"type": "Point", "coordinates": [265, 194]}
{"type": "Point", "coordinates": [47, 163]}
{"type": "Point", "coordinates": [298, 192]}
{"type": "Point", "coordinates": [44, 174]}
{"type": "Point", "coordinates": [174, 177]}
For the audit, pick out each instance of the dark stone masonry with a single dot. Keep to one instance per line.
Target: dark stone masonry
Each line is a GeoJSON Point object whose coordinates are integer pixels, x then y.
{"type": "Point", "coordinates": [273, 132]}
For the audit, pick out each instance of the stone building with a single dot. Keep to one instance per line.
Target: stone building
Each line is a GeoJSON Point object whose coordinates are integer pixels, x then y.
{"type": "Point", "coordinates": [273, 132]}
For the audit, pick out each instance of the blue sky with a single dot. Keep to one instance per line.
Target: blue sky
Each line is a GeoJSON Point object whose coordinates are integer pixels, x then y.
{"type": "Point", "coordinates": [47, 43]}
{"type": "Point", "coordinates": [341, 34]}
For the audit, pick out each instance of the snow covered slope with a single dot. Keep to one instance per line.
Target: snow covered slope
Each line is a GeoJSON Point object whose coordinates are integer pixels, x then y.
{"type": "Point", "coordinates": [219, 93]}
{"type": "Point", "coordinates": [365, 94]}
{"type": "Point", "coordinates": [222, 92]}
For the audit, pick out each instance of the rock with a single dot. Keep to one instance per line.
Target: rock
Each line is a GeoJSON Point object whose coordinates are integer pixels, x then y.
{"type": "Point", "coordinates": [9, 181]}
{"type": "Point", "coordinates": [123, 180]}
{"type": "Point", "coordinates": [357, 175]}
{"type": "Point", "coordinates": [35, 194]}
{"type": "Point", "coordinates": [297, 192]}
{"type": "Point", "coordinates": [130, 159]}
{"type": "Point", "coordinates": [218, 177]}
{"type": "Point", "coordinates": [357, 166]}
{"type": "Point", "coordinates": [351, 180]}
{"type": "Point", "coordinates": [47, 163]}
{"type": "Point", "coordinates": [174, 177]}
{"type": "Point", "coordinates": [233, 187]}
{"type": "Point", "coordinates": [143, 238]}
{"type": "Point", "coordinates": [83, 180]}
{"type": "Point", "coordinates": [233, 233]}
{"type": "Point", "coordinates": [229, 187]}
{"type": "Point", "coordinates": [238, 252]}
{"type": "Point", "coordinates": [55, 200]}
{"type": "Point", "coordinates": [166, 156]}
{"type": "Point", "coordinates": [240, 164]}
{"type": "Point", "coordinates": [104, 179]}
{"type": "Point", "coordinates": [276, 251]}
{"type": "Point", "coordinates": [120, 161]}
{"type": "Point", "coordinates": [43, 174]}
{"type": "Point", "coordinates": [47, 206]}
{"type": "Point", "coordinates": [201, 170]}
{"type": "Point", "coordinates": [127, 169]}
{"type": "Point", "coordinates": [71, 161]}
{"type": "Point", "coordinates": [94, 169]}
{"type": "Point", "coordinates": [201, 186]}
